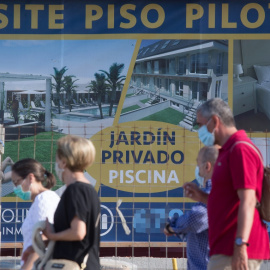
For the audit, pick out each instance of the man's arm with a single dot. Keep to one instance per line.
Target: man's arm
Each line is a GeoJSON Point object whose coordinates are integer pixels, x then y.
{"type": "Point", "coordinates": [244, 224]}
{"type": "Point", "coordinates": [194, 221]}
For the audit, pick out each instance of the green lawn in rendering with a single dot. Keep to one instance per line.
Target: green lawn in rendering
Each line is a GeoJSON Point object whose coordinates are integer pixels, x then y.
{"type": "Point", "coordinates": [145, 100]}
{"type": "Point", "coordinates": [168, 115]}
{"type": "Point", "coordinates": [131, 108]}
{"type": "Point", "coordinates": [41, 147]}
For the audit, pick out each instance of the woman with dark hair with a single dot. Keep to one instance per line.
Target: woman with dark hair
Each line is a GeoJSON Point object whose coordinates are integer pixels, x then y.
{"type": "Point", "coordinates": [32, 182]}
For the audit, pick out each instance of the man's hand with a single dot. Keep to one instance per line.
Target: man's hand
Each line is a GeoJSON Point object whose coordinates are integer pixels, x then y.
{"type": "Point", "coordinates": [191, 190]}
{"type": "Point", "coordinates": [240, 258]}
{"type": "Point", "coordinates": [166, 232]}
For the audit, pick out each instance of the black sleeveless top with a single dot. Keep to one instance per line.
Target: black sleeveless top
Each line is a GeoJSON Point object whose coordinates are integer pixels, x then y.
{"type": "Point", "coordinates": [81, 200]}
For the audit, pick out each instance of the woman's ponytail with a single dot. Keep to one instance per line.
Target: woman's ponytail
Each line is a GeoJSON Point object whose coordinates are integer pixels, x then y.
{"type": "Point", "coordinates": [50, 180]}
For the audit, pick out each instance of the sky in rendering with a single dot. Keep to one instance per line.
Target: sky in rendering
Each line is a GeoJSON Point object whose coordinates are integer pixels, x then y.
{"type": "Point", "coordinates": [83, 58]}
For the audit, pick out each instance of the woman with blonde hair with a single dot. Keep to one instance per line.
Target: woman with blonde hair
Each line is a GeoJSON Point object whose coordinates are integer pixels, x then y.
{"type": "Point", "coordinates": [76, 220]}
{"type": "Point", "coordinates": [32, 182]}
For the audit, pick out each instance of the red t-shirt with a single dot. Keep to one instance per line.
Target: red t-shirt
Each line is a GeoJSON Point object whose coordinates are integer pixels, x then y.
{"type": "Point", "coordinates": [240, 169]}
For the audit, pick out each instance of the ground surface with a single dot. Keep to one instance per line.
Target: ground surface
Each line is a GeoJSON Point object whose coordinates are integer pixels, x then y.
{"type": "Point", "coordinates": [135, 263]}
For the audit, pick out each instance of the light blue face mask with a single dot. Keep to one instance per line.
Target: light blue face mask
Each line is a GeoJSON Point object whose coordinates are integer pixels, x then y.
{"type": "Point", "coordinates": [199, 178]}
{"type": "Point", "coordinates": [206, 137]}
{"type": "Point", "coordinates": [24, 195]}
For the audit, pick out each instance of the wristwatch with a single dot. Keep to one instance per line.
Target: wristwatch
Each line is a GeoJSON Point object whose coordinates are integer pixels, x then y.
{"type": "Point", "coordinates": [239, 242]}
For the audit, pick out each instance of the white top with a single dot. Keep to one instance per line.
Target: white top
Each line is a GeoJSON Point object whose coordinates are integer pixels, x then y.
{"type": "Point", "coordinates": [43, 207]}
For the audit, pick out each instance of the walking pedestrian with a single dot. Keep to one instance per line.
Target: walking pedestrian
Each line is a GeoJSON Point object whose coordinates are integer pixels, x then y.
{"type": "Point", "coordinates": [32, 182]}
{"type": "Point", "coordinates": [238, 238]}
{"type": "Point", "coordinates": [76, 220]}
{"type": "Point", "coordinates": [193, 225]}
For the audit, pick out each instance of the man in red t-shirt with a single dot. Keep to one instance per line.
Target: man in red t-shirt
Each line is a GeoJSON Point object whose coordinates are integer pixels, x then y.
{"type": "Point", "coordinates": [238, 238]}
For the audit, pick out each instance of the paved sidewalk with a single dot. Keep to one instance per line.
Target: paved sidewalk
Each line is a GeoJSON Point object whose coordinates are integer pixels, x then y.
{"type": "Point", "coordinates": [132, 263]}
{"type": "Point", "coordinates": [146, 263]}
{"type": "Point", "coordinates": [127, 263]}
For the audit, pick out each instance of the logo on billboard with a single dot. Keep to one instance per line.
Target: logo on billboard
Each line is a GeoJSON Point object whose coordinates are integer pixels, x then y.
{"type": "Point", "coordinates": [106, 221]}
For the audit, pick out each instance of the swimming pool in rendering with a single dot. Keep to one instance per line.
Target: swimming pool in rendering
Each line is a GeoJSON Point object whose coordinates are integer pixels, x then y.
{"type": "Point", "coordinates": [95, 111]}
{"type": "Point", "coordinates": [85, 115]}
{"type": "Point", "coordinates": [74, 118]}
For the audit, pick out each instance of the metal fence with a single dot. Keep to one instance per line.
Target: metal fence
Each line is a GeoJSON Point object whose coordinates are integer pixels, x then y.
{"type": "Point", "coordinates": [145, 208]}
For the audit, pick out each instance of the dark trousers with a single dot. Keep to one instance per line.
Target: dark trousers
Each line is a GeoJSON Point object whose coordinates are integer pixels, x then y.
{"type": "Point", "coordinates": [15, 115]}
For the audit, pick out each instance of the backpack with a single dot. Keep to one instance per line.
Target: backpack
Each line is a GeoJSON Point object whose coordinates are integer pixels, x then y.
{"type": "Point", "coordinates": [264, 205]}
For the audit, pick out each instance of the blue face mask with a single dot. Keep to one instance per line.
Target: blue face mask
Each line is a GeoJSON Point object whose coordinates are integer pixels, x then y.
{"type": "Point", "coordinates": [206, 137]}
{"type": "Point", "coordinates": [24, 195]}
{"type": "Point", "coordinates": [199, 178]}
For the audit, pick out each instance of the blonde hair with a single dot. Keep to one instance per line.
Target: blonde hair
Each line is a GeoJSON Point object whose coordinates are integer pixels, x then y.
{"type": "Point", "coordinates": [78, 153]}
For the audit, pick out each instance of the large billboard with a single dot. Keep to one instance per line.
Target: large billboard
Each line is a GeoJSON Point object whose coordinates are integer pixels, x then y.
{"type": "Point", "coordinates": [160, 61]}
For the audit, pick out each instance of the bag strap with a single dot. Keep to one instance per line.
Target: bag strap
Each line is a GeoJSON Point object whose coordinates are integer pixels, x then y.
{"type": "Point", "coordinates": [38, 245]}
{"type": "Point", "coordinates": [250, 145]}
{"type": "Point", "coordinates": [83, 264]}
{"type": "Point", "coordinates": [258, 153]}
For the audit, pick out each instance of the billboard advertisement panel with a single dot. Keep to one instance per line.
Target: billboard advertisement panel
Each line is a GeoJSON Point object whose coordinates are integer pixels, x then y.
{"type": "Point", "coordinates": [161, 60]}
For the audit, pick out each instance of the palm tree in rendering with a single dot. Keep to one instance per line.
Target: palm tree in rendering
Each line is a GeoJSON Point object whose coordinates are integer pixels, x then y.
{"type": "Point", "coordinates": [69, 88]}
{"type": "Point", "coordinates": [99, 87]}
{"type": "Point", "coordinates": [59, 83]}
{"type": "Point", "coordinates": [115, 81]}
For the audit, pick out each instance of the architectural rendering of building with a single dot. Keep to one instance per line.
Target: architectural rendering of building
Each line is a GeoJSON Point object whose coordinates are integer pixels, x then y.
{"type": "Point", "coordinates": [183, 72]}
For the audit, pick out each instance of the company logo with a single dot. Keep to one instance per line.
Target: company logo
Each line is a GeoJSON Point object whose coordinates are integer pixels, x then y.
{"type": "Point", "coordinates": [106, 221]}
